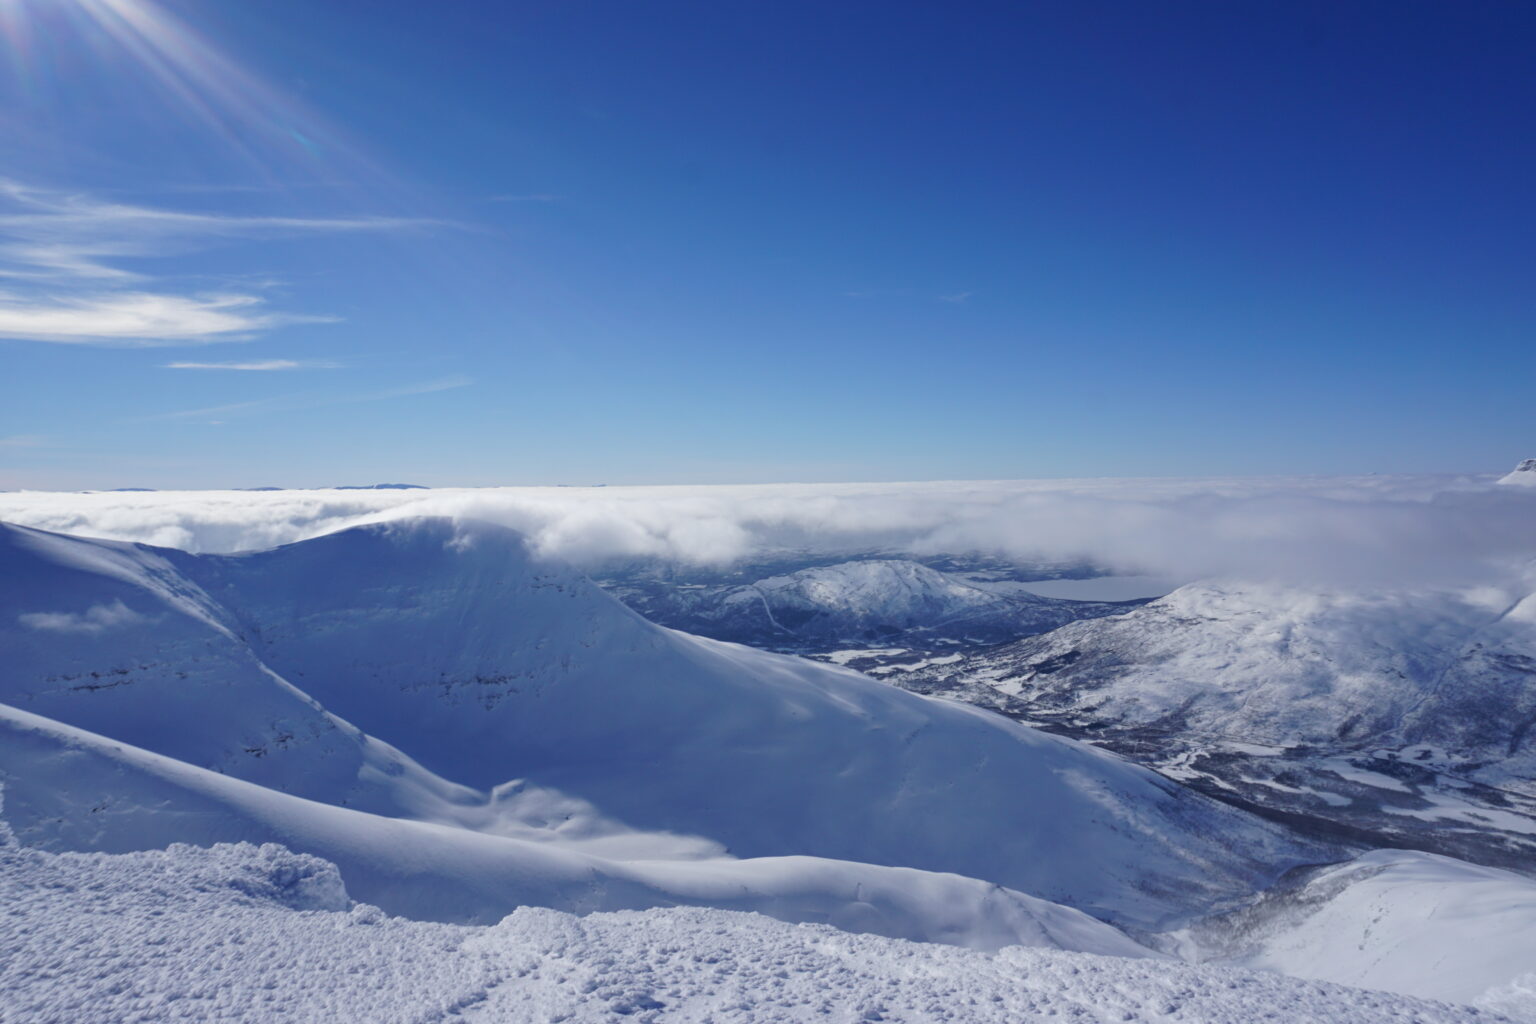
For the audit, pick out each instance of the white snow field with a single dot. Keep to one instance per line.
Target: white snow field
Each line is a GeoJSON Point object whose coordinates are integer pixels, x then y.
{"type": "Point", "coordinates": [450, 641]}
{"type": "Point", "coordinates": [248, 933]}
{"type": "Point", "coordinates": [1397, 920]}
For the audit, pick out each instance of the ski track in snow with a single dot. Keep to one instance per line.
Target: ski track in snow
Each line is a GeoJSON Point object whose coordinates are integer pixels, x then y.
{"type": "Point", "coordinates": [246, 933]}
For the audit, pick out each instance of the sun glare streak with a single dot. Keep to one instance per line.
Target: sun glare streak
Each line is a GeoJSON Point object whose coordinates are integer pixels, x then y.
{"type": "Point", "coordinates": [267, 128]}
{"type": "Point", "coordinates": [16, 40]}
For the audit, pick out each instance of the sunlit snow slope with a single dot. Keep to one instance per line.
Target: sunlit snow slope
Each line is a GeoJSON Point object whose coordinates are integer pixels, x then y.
{"type": "Point", "coordinates": [1396, 920]}
{"type": "Point", "coordinates": [450, 642]}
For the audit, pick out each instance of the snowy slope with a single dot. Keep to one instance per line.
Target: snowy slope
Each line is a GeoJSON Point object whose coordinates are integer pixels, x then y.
{"type": "Point", "coordinates": [1404, 922]}
{"type": "Point", "coordinates": [68, 789]}
{"type": "Point", "coordinates": [118, 638]}
{"type": "Point", "coordinates": [497, 666]}
{"type": "Point", "coordinates": [245, 933]}
{"type": "Point", "coordinates": [450, 641]}
{"type": "Point", "coordinates": [857, 603]}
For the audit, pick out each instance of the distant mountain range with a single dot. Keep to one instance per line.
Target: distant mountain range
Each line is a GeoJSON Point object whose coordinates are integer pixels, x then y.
{"type": "Point", "coordinates": [854, 605]}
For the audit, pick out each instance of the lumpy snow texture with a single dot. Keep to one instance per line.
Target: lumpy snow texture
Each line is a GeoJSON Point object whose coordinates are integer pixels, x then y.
{"type": "Point", "coordinates": [244, 933]}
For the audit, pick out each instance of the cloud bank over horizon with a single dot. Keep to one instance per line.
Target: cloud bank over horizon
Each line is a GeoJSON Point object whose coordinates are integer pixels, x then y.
{"type": "Point", "coordinates": [1391, 530]}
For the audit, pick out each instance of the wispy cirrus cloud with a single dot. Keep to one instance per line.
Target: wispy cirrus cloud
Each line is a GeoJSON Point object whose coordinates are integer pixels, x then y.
{"type": "Point", "coordinates": [298, 402]}
{"type": "Point", "coordinates": [139, 318]}
{"type": "Point", "coordinates": [259, 365]}
{"type": "Point", "coordinates": [61, 254]}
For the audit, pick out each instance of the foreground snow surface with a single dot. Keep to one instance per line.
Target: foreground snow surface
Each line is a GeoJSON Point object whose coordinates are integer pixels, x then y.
{"type": "Point", "coordinates": [241, 932]}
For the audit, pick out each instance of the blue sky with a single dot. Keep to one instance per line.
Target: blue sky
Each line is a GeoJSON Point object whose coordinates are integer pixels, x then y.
{"type": "Point", "coordinates": [568, 242]}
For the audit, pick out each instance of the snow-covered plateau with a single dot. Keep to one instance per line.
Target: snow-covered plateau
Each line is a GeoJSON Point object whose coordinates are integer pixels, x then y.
{"type": "Point", "coordinates": [552, 808]}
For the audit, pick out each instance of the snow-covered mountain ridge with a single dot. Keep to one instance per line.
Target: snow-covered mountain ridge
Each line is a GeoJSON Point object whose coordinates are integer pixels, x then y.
{"type": "Point", "coordinates": [483, 665]}
{"type": "Point", "coordinates": [1402, 714]}
{"type": "Point", "coordinates": [862, 603]}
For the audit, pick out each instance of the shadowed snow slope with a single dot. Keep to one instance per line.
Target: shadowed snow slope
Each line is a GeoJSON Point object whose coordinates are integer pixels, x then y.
{"type": "Point", "coordinates": [70, 789]}
{"type": "Point", "coordinates": [450, 641]}
{"type": "Point", "coordinates": [119, 639]}
{"type": "Point", "coordinates": [88, 938]}
{"type": "Point", "coordinates": [497, 666]}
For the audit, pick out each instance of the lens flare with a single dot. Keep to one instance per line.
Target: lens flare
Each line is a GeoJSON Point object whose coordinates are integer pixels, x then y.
{"type": "Point", "coordinates": [138, 43]}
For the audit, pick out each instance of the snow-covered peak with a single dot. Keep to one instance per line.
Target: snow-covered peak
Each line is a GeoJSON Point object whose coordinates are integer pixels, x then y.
{"type": "Point", "coordinates": [1286, 665]}
{"type": "Point", "coordinates": [883, 601]}
{"type": "Point", "coordinates": [1523, 475]}
{"type": "Point", "coordinates": [885, 588]}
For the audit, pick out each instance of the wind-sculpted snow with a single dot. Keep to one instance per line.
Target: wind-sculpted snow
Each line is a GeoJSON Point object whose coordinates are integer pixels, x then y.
{"type": "Point", "coordinates": [489, 666]}
{"type": "Point", "coordinates": [259, 934]}
{"type": "Point", "coordinates": [67, 789]}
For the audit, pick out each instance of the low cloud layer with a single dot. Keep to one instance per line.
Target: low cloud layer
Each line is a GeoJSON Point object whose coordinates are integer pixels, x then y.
{"type": "Point", "coordinates": [1390, 530]}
